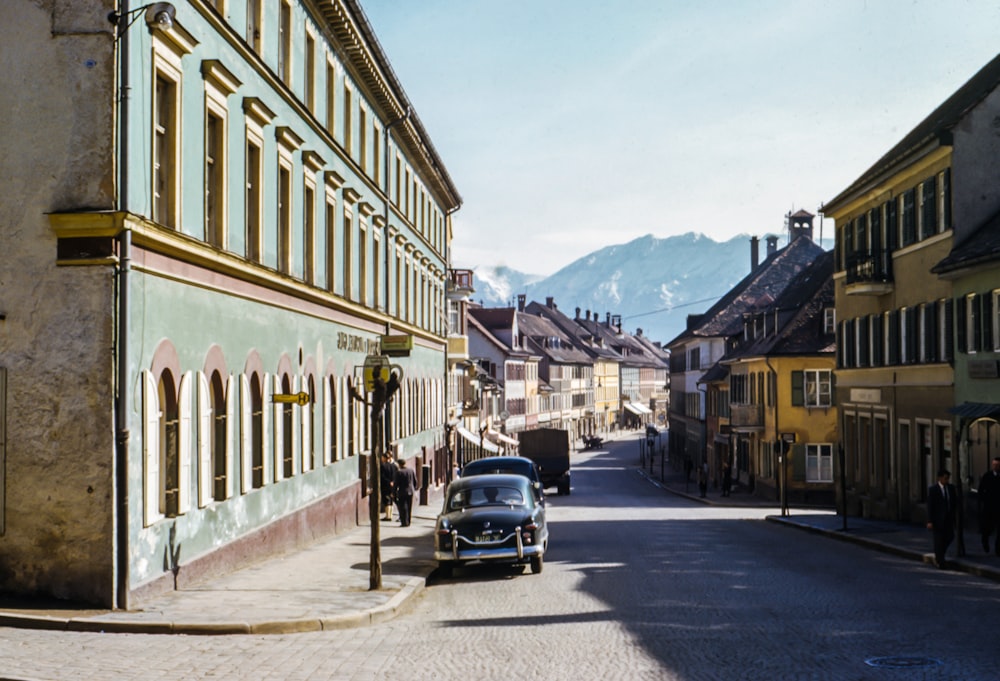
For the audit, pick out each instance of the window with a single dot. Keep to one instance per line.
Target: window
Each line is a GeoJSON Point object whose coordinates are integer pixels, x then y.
{"type": "Point", "coordinates": [348, 253]}
{"type": "Point", "coordinates": [219, 84]}
{"type": "Point", "coordinates": [829, 320]}
{"type": "Point", "coordinates": [995, 320]}
{"type": "Point", "coordinates": [254, 18]}
{"type": "Point", "coordinates": [348, 122]}
{"type": "Point", "coordinates": [945, 322]}
{"type": "Point", "coordinates": [377, 153]}
{"type": "Point", "coordinates": [284, 218]}
{"type": "Point", "coordinates": [309, 87]}
{"type": "Point", "coordinates": [253, 200]}
{"type": "Point", "coordinates": [331, 98]}
{"type": "Point", "coordinates": [165, 147]}
{"type": "Point", "coordinates": [331, 239]}
{"type": "Point", "coordinates": [928, 208]}
{"type": "Point", "coordinates": [285, 43]}
{"type": "Point", "coordinates": [819, 463]}
{"type": "Point", "coordinates": [812, 388]}
{"type": "Point", "coordinates": [309, 232]}
{"type": "Point", "coordinates": [363, 138]}
{"type": "Point", "coordinates": [909, 219]}
{"type": "Point", "coordinates": [215, 182]}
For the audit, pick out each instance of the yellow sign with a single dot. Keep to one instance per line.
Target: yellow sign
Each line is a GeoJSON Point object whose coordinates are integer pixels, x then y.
{"type": "Point", "coordinates": [301, 399]}
{"type": "Point", "coordinates": [396, 346]}
{"type": "Point", "coordinates": [376, 365]}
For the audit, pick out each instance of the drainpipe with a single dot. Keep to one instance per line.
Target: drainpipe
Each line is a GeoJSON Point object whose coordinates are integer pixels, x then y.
{"type": "Point", "coordinates": [124, 266]}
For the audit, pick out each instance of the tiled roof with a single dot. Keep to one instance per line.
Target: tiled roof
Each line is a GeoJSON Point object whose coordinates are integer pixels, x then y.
{"type": "Point", "coordinates": [757, 291]}
{"type": "Point", "coordinates": [982, 246]}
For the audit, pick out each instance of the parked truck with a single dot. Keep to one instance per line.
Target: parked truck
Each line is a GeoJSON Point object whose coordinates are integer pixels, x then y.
{"type": "Point", "coordinates": [549, 448]}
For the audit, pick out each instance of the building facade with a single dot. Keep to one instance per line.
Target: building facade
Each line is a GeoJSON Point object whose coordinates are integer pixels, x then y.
{"type": "Point", "coordinates": [252, 209]}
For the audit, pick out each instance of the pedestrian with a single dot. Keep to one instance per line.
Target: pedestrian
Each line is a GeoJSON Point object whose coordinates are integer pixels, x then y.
{"type": "Point", "coordinates": [989, 505]}
{"type": "Point", "coordinates": [727, 478]}
{"type": "Point", "coordinates": [703, 479]}
{"type": "Point", "coordinates": [941, 505]}
{"type": "Point", "coordinates": [387, 476]}
{"type": "Point", "coordinates": [404, 485]}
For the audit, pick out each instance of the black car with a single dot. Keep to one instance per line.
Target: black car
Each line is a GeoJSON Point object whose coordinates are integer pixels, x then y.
{"type": "Point", "coordinates": [516, 465]}
{"type": "Point", "coordinates": [491, 518]}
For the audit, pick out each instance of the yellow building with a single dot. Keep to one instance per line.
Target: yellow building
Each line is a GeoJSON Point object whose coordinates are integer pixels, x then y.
{"type": "Point", "coordinates": [783, 420]}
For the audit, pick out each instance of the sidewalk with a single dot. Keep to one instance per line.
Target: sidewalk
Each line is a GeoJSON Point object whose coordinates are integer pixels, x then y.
{"type": "Point", "coordinates": [325, 586]}
{"type": "Point", "coordinates": [900, 539]}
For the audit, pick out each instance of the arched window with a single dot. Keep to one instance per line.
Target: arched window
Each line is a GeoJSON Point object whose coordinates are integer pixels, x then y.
{"type": "Point", "coordinates": [219, 437]}
{"type": "Point", "coordinates": [256, 430]}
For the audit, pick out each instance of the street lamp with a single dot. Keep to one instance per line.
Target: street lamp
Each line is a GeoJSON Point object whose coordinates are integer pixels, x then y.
{"type": "Point", "coordinates": [381, 380]}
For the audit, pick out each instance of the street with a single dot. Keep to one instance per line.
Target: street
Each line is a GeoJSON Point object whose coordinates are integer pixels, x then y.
{"type": "Point", "coordinates": [638, 584]}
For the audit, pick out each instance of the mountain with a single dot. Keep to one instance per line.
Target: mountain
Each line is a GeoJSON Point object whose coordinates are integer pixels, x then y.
{"type": "Point", "coordinates": [653, 283]}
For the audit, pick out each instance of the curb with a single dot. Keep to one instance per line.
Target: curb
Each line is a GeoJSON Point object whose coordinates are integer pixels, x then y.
{"type": "Point", "coordinates": [381, 613]}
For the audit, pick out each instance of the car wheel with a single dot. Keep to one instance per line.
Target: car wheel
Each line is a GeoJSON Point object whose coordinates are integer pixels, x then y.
{"type": "Point", "coordinates": [537, 564]}
{"type": "Point", "coordinates": [564, 488]}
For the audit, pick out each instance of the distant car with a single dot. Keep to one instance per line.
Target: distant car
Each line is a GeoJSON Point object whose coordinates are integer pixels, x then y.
{"type": "Point", "coordinates": [491, 518]}
{"type": "Point", "coordinates": [516, 465]}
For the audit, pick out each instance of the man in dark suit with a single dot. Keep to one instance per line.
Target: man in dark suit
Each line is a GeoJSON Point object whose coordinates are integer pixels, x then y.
{"type": "Point", "coordinates": [405, 486]}
{"type": "Point", "coordinates": [941, 506]}
{"type": "Point", "coordinates": [989, 505]}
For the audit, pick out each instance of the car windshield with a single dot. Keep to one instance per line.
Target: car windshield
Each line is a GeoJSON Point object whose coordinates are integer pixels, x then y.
{"type": "Point", "coordinates": [485, 496]}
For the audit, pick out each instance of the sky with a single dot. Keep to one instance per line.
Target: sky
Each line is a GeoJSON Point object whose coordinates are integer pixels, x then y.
{"type": "Point", "coordinates": [571, 125]}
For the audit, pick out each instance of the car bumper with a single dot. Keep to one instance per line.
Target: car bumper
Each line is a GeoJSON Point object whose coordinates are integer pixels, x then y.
{"type": "Point", "coordinates": [512, 549]}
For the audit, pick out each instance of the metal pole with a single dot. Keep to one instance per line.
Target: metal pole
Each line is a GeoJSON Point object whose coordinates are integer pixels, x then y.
{"type": "Point", "coordinates": [375, 498]}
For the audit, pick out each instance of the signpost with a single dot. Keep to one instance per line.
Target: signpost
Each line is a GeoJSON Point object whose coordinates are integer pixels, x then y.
{"type": "Point", "coordinates": [381, 380]}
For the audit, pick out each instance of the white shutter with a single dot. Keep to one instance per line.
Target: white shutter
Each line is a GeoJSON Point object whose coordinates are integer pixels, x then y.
{"type": "Point", "coordinates": [184, 453]}
{"type": "Point", "coordinates": [327, 396]}
{"type": "Point", "coordinates": [230, 425]}
{"type": "Point", "coordinates": [269, 410]}
{"type": "Point", "coordinates": [297, 466]}
{"type": "Point", "coordinates": [150, 449]}
{"type": "Point", "coordinates": [306, 430]}
{"type": "Point", "coordinates": [206, 473]}
{"type": "Point", "coordinates": [246, 435]}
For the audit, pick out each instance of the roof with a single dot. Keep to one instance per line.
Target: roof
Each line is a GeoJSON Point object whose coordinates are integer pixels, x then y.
{"type": "Point", "coordinates": [935, 130]}
{"type": "Point", "coordinates": [757, 291]}
{"type": "Point", "coordinates": [980, 247]}
{"type": "Point", "coordinates": [538, 330]}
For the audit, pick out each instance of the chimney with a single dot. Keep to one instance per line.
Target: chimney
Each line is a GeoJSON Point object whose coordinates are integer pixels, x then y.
{"type": "Point", "coordinates": [588, 315]}
{"type": "Point", "coordinates": [550, 302]}
{"type": "Point", "coordinates": [608, 322]}
{"type": "Point", "coordinates": [520, 302]}
{"type": "Point", "coordinates": [638, 332]}
{"type": "Point", "coordinates": [577, 313]}
{"type": "Point", "coordinates": [772, 245]}
{"type": "Point", "coordinates": [754, 253]}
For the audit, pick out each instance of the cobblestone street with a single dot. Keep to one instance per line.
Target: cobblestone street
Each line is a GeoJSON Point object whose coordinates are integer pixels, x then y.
{"type": "Point", "coordinates": [638, 584]}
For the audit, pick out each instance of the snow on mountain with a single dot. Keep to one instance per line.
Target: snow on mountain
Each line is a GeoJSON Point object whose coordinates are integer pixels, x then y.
{"type": "Point", "coordinates": [653, 283]}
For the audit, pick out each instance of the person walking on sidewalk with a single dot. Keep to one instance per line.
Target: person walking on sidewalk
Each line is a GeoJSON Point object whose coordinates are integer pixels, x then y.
{"type": "Point", "coordinates": [941, 500]}
{"type": "Point", "coordinates": [727, 478]}
{"type": "Point", "coordinates": [989, 505]}
{"type": "Point", "coordinates": [405, 485]}
{"type": "Point", "coordinates": [703, 479]}
{"type": "Point", "coordinates": [387, 474]}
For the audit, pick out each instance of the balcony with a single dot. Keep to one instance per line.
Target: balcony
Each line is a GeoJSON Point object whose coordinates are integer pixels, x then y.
{"type": "Point", "coordinates": [460, 284]}
{"type": "Point", "coordinates": [869, 274]}
{"type": "Point", "coordinates": [458, 348]}
{"type": "Point", "coordinates": [746, 416]}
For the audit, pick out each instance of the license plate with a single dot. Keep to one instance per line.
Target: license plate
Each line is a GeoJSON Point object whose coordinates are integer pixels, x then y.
{"type": "Point", "coordinates": [481, 538]}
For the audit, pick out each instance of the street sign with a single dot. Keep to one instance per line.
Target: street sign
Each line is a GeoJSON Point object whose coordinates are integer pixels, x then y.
{"type": "Point", "coordinates": [376, 365]}
{"type": "Point", "coordinates": [301, 399]}
{"type": "Point", "coordinates": [397, 345]}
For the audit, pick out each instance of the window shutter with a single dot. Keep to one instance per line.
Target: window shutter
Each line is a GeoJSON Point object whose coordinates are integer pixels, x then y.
{"type": "Point", "coordinates": [278, 429]}
{"type": "Point", "coordinates": [878, 341]}
{"type": "Point", "coordinates": [150, 449]}
{"type": "Point", "coordinates": [833, 388]}
{"type": "Point", "coordinates": [948, 352]}
{"type": "Point", "coordinates": [891, 226]}
{"type": "Point", "coordinates": [246, 435]}
{"type": "Point", "coordinates": [986, 320]}
{"type": "Point", "coordinates": [798, 388]}
{"type": "Point", "coordinates": [206, 474]}
{"type": "Point", "coordinates": [929, 332]}
{"type": "Point", "coordinates": [184, 453]}
{"type": "Point", "coordinates": [946, 198]}
{"type": "Point", "coordinates": [911, 336]}
{"type": "Point", "coordinates": [797, 453]}
{"type": "Point", "coordinates": [893, 335]}
{"type": "Point", "coordinates": [230, 450]}
{"type": "Point", "coordinates": [960, 327]}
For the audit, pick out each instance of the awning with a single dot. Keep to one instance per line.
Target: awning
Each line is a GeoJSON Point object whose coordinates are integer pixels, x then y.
{"type": "Point", "coordinates": [474, 440]}
{"type": "Point", "coordinates": [500, 437]}
{"type": "Point", "coordinates": [638, 408]}
{"type": "Point", "coordinates": [976, 410]}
